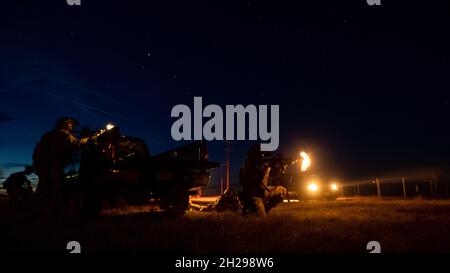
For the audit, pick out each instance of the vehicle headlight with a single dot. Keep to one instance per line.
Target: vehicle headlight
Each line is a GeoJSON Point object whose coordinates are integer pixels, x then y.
{"type": "Point", "coordinates": [313, 187]}
{"type": "Point", "coordinates": [334, 187]}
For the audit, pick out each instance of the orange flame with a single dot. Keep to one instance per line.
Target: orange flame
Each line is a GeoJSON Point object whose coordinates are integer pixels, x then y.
{"type": "Point", "coordinates": [306, 161]}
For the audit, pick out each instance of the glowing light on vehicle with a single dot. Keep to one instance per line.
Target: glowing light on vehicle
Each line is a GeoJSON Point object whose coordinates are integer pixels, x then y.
{"type": "Point", "coordinates": [109, 126]}
{"type": "Point", "coordinates": [313, 187]}
{"type": "Point", "coordinates": [291, 201]}
{"type": "Point", "coordinates": [334, 187]}
{"type": "Point", "coordinates": [306, 161]}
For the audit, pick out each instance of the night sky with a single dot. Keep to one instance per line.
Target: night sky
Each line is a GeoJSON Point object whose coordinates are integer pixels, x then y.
{"type": "Point", "coordinates": [364, 88]}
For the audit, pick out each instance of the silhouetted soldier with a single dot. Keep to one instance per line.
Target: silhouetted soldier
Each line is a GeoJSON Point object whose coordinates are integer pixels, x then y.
{"type": "Point", "coordinates": [228, 201]}
{"type": "Point", "coordinates": [257, 196]}
{"type": "Point", "coordinates": [19, 188]}
{"type": "Point", "coordinates": [51, 155]}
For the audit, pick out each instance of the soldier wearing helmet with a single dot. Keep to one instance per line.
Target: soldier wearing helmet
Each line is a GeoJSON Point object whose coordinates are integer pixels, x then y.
{"type": "Point", "coordinates": [19, 188]}
{"type": "Point", "coordinates": [51, 154]}
{"type": "Point", "coordinates": [257, 197]}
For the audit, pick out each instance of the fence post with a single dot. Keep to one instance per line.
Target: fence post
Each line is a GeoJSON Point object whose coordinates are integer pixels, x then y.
{"type": "Point", "coordinates": [404, 187]}
{"type": "Point", "coordinates": [378, 187]}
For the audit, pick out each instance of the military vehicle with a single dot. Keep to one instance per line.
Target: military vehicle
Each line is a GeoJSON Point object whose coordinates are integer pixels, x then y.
{"type": "Point", "coordinates": [312, 187]}
{"type": "Point", "coordinates": [111, 167]}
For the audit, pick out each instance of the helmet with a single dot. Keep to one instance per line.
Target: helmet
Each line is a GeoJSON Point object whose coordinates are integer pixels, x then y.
{"type": "Point", "coordinates": [63, 123]}
{"type": "Point", "coordinates": [29, 169]}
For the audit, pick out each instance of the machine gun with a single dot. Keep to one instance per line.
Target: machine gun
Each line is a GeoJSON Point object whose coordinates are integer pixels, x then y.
{"type": "Point", "coordinates": [278, 166]}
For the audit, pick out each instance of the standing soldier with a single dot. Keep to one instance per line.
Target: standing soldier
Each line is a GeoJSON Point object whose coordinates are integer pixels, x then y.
{"type": "Point", "coordinates": [51, 154]}
{"type": "Point", "coordinates": [257, 196]}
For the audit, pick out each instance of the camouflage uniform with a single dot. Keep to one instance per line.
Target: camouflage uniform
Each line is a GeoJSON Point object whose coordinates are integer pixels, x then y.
{"type": "Point", "coordinates": [256, 196]}
{"type": "Point", "coordinates": [228, 201]}
{"type": "Point", "coordinates": [19, 188]}
{"type": "Point", "coordinates": [54, 151]}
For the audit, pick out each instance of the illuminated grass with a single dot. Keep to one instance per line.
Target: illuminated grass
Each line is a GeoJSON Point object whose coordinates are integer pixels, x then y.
{"type": "Point", "coordinates": [400, 226]}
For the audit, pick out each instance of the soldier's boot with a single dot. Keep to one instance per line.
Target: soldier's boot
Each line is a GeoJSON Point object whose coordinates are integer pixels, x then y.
{"type": "Point", "coordinates": [273, 202]}
{"type": "Point", "coordinates": [245, 203]}
{"type": "Point", "coordinates": [274, 197]}
{"type": "Point", "coordinates": [260, 208]}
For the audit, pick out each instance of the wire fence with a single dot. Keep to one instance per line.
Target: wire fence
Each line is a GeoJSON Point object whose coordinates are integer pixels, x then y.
{"type": "Point", "coordinates": [406, 187]}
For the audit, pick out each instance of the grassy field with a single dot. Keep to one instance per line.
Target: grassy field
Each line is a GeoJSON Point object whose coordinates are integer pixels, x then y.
{"type": "Point", "coordinates": [314, 226]}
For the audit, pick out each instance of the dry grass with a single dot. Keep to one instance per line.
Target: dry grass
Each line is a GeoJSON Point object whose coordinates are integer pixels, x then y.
{"type": "Point", "coordinates": [339, 226]}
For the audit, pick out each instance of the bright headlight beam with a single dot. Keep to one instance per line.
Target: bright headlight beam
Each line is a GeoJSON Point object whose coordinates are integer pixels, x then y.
{"type": "Point", "coordinates": [313, 187]}
{"type": "Point", "coordinates": [334, 187]}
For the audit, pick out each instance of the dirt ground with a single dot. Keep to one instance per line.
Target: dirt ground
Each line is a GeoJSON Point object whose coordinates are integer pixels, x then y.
{"type": "Point", "coordinates": [310, 226]}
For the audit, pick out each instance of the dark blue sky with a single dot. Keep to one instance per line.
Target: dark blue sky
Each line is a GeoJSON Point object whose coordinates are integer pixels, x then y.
{"type": "Point", "coordinates": [364, 88]}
